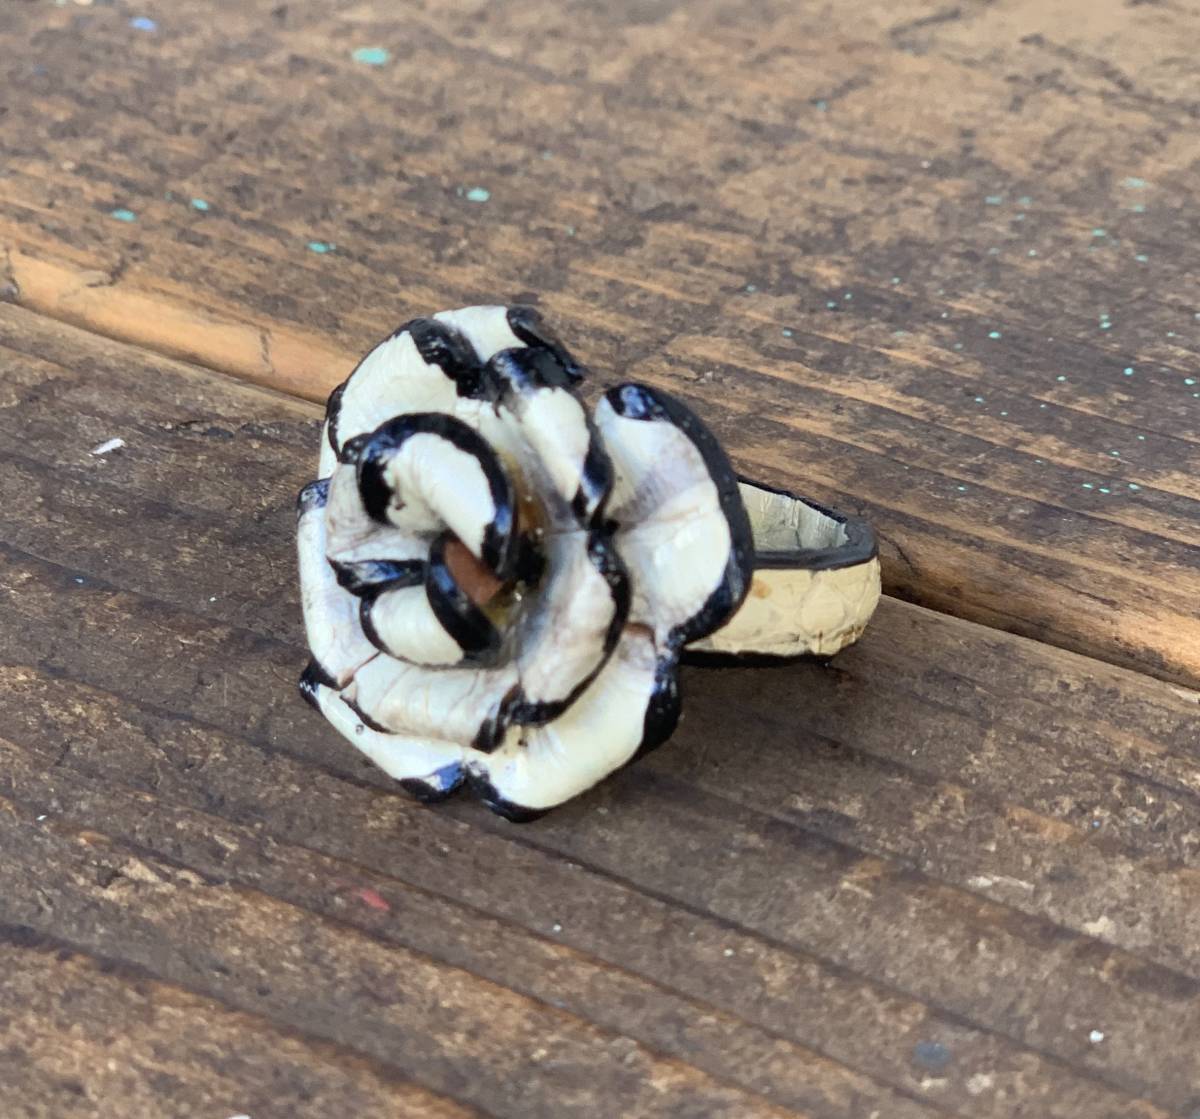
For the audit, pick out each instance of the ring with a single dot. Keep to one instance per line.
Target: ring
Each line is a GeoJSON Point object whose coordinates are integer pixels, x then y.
{"type": "Point", "coordinates": [498, 587]}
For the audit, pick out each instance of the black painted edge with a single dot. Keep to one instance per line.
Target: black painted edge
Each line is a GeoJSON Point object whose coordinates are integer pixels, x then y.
{"type": "Point", "coordinates": [442, 345]}
{"type": "Point", "coordinates": [602, 553]}
{"type": "Point", "coordinates": [468, 626]}
{"type": "Point", "coordinates": [373, 453]}
{"type": "Point", "coordinates": [491, 797]}
{"type": "Point", "coordinates": [522, 372]}
{"type": "Point", "coordinates": [315, 675]}
{"type": "Point", "coordinates": [333, 409]}
{"type": "Point", "coordinates": [313, 496]}
{"type": "Point", "coordinates": [531, 328]}
{"type": "Point", "coordinates": [860, 546]}
{"type": "Point", "coordinates": [663, 708]}
{"type": "Point", "coordinates": [371, 577]}
{"type": "Point", "coordinates": [636, 401]}
{"type": "Point", "coordinates": [438, 786]}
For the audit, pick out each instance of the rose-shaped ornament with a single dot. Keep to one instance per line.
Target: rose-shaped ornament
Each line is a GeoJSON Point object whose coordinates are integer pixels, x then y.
{"type": "Point", "coordinates": [497, 588]}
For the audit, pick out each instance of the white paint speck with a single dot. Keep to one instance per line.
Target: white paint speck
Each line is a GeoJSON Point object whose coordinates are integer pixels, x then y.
{"type": "Point", "coordinates": [1096, 1036]}
{"type": "Point", "coordinates": [107, 446]}
{"type": "Point", "coordinates": [979, 1083]}
{"type": "Point", "coordinates": [728, 951]}
{"type": "Point", "coordinates": [40, 819]}
{"type": "Point", "coordinates": [556, 927]}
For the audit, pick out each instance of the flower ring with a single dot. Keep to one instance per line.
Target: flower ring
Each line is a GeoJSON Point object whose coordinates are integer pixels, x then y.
{"type": "Point", "coordinates": [497, 588]}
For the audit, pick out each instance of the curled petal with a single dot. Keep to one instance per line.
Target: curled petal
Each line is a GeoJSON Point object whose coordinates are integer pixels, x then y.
{"type": "Point", "coordinates": [424, 470]}
{"type": "Point", "coordinates": [330, 611]}
{"type": "Point", "coordinates": [538, 767]}
{"type": "Point", "coordinates": [682, 529]}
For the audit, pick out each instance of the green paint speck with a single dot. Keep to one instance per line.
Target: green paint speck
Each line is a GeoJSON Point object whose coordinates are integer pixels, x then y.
{"type": "Point", "coordinates": [1099, 232]}
{"type": "Point", "coordinates": [895, 279]}
{"type": "Point", "coordinates": [1033, 252]}
{"type": "Point", "coordinates": [1141, 258]}
{"type": "Point", "coordinates": [831, 304]}
{"type": "Point", "coordinates": [1116, 453]}
{"type": "Point", "coordinates": [371, 56]}
{"type": "Point", "coordinates": [1004, 413]}
{"type": "Point", "coordinates": [995, 334]}
{"type": "Point", "coordinates": [1189, 380]}
{"type": "Point", "coordinates": [850, 295]}
{"type": "Point", "coordinates": [1134, 486]}
{"type": "Point", "coordinates": [199, 204]}
{"type": "Point", "coordinates": [751, 287]}
{"type": "Point", "coordinates": [1105, 489]}
{"type": "Point", "coordinates": [785, 332]}
{"type": "Point", "coordinates": [123, 215]}
{"type": "Point", "coordinates": [962, 489]}
{"type": "Point", "coordinates": [1134, 183]}
{"type": "Point", "coordinates": [958, 345]}
{"type": "Point", "coordinates": [1024, 200]}
{"type": "Point", "coordinates": [321, 247]}
{"type": "Point", "coordinates": [1106, 325]}
{"type": "Point", "coordinates": [994, 199]}
{"type": "Point", "coordinates": [1128, 371]}
{"type": "Point", "coordinates": [1138, 207]}
{"type": "Point", "coordinates": [1142, 438]}
{"type": "Point", "coordinates": [478, 194]}
{"type": "Point", "coordinates": [1060, 377]}
{"type": "Point", "coordinates": [979, 400]}
{"type": "Point", "coordinates": [821, 106]}
{"type": "Point", "coordinates": [1088, 486]}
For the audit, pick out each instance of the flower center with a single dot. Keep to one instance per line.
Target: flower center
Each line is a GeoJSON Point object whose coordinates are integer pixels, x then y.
{"type": "Point", "coordinates": [471, 574]}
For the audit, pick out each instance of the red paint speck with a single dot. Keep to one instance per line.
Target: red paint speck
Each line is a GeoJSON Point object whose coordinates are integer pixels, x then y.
{"type": "Point", "coordinates": [372, 898]}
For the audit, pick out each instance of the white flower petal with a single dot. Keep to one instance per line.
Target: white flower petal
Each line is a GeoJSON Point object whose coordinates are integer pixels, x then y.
{"type": "Point", "coordinates": [330, 612]}
{"type": "Point", "coordinates": [682, 529]}
{"type": "Point", "coordinates": [403, 624]}
{"type": "Point", "coordinates": [539, 767]}
{"type": "Point", "coordinates": [432, 763]}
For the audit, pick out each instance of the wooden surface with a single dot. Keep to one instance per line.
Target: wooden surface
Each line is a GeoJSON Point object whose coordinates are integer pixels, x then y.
{"type": "Point", "coordinates": [900, 254]}
{"type": "Point", "coordinates": [955, 873]}
{"type": "Point", "coordinates": [910, 884]}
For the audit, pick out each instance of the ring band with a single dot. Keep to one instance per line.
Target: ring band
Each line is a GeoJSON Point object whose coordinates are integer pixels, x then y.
{"type": "Point", "coordinates": [498, 586]}
{"type": "Point", "coordinates": [816, 580]}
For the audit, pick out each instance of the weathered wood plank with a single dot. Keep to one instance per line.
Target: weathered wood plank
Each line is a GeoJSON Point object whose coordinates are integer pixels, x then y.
{"type": "Point", "coordinates": [902, 256]}
{"type": "Point", "coordinates": [84, 1038]}
{"type": "Point", "coordinates": [897, 893]}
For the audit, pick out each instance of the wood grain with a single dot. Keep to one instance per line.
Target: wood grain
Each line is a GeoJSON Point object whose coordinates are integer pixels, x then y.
{"type": "Point", "coordinates": [99, 1039]}
{"type": "Point", "coordinates": [923, 881]}
{"type": "Point", "coordinates": [900, 255]}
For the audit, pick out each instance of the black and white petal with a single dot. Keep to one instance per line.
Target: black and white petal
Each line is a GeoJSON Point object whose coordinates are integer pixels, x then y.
{"type": "Point", "coordinates": [429, 767]}
{"type": "Point", "coordinates": [565, 641]}
{"type": "Point", "coordinates": [424, 471]}
{"type": "Point", "coordinates": [682, 529]}
{"type": "Point", "coordinates": [330, 611]}
{"type": "Point", "coordinates": [538, 767]}
{"type": "Point", "coordinates": [570, 467]}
